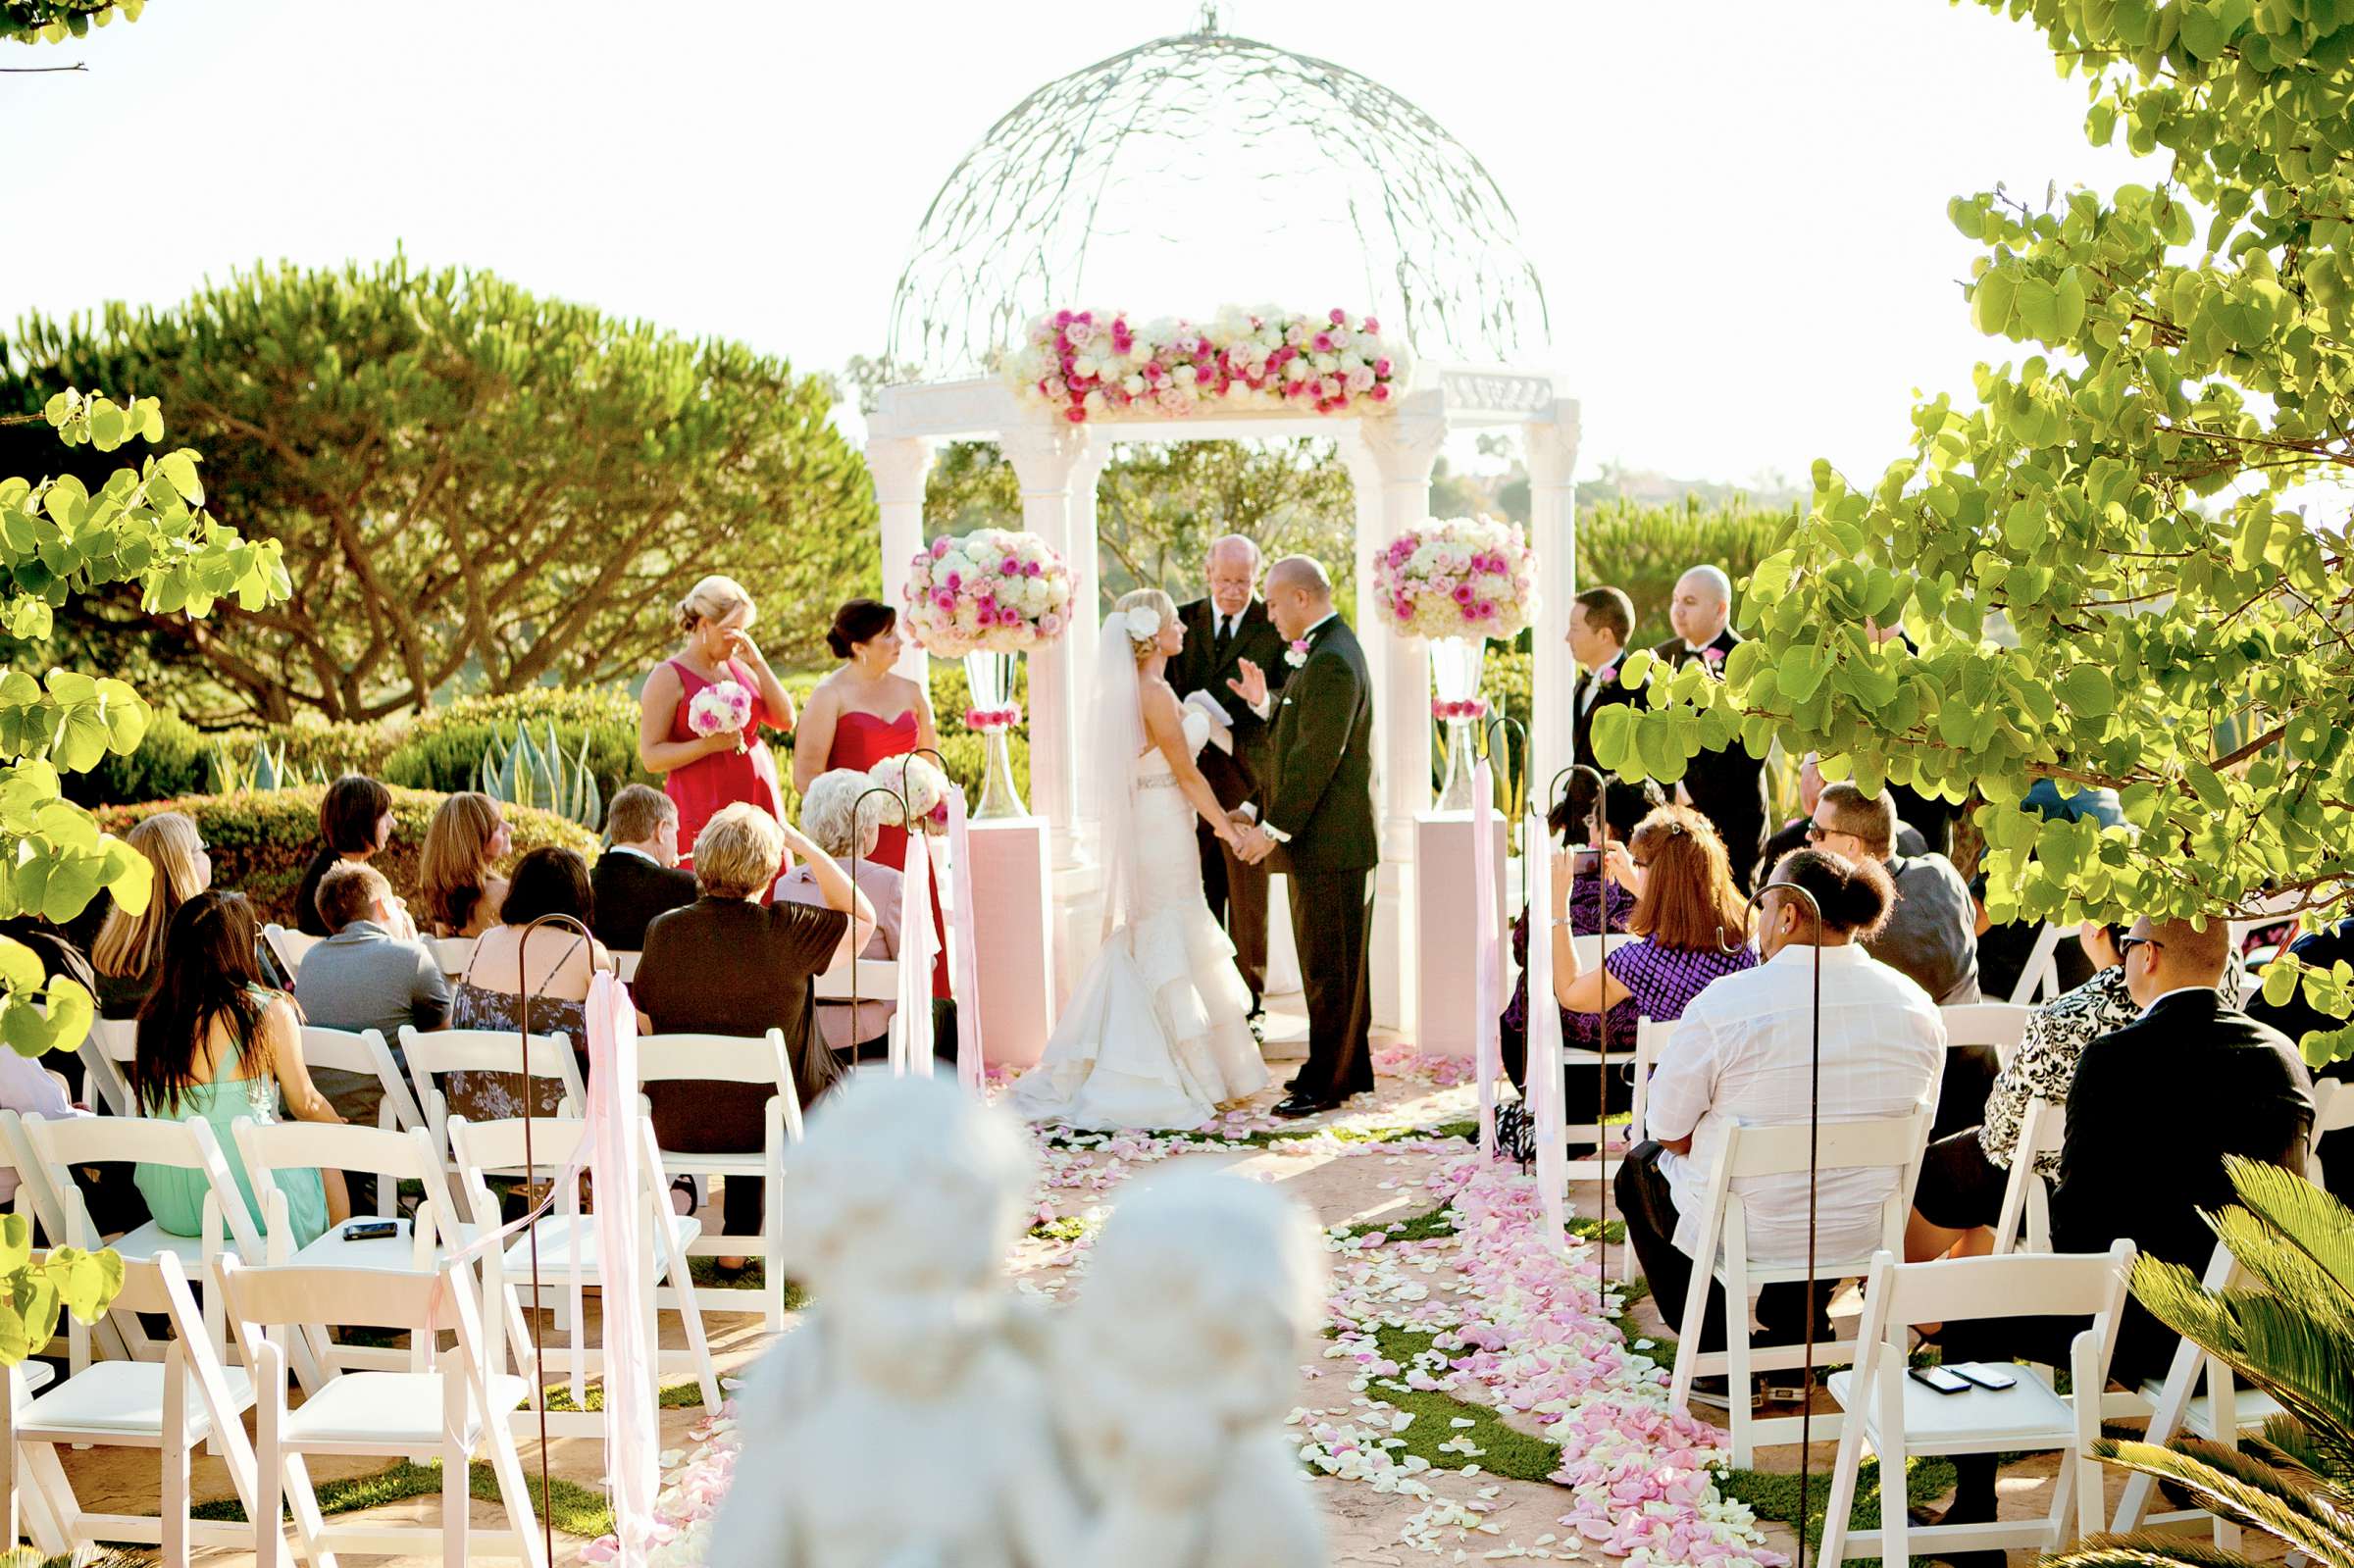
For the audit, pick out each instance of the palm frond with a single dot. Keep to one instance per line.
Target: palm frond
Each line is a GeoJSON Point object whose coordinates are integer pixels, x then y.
{"type": "Point", "coordinates": [2146, 1548]}
{"type": "Point", "coordinates": [2319, 1223]}
{"type": "Point", "coordinates": [2245, 1492]}
{"type": "Point", "coordinates": [2284, 1267]}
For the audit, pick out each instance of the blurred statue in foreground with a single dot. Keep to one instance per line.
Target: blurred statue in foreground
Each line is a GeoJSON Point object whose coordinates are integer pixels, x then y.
{"type": "Point", "coordinates": [924, 1416]}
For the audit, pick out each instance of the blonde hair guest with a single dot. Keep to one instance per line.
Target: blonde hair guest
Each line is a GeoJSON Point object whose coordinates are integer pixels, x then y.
{"type": "Point", "coordinates": [130, 946]}
{"type": "Point", "coordinates": [705, 772]}
{"type": "Point", "coordinates": [455, 884]}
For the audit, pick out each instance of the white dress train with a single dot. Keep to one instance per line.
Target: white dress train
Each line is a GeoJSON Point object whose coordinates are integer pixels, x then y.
{"type": "Point", "coordinates": [1157, 1035]}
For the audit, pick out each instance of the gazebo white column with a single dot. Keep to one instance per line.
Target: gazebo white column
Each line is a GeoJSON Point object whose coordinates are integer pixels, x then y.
{"type": "Point", "coordinates": [1400, 451]}
{"type": "Point", "coordinates": [1046, 459]}
{"type": "Point", "coordinates": [1086, 617]}
{"type": "Point", "coordinates": [899, 464]}
{"type": "Point", "coordinates": [1550, 438]}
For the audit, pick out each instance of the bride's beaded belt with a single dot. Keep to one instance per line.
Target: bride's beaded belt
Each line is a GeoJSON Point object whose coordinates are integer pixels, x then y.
{"type": "Point", "coordinates": [1166, 781]}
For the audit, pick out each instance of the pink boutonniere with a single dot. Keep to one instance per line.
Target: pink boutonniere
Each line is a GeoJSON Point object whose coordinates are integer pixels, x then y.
{"type": "Point", "coordinates": [1297, 654]}
{"type": "Point", "coordinates": [1606, 674]}
{"type": "Point", "coordinates": [1713, 657]}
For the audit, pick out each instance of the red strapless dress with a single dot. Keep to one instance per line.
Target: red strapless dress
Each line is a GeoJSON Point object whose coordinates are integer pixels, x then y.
{"type": "Point", "coordinates": [860, 741]}
{"type": "Point", "coordinates": [706, 784]}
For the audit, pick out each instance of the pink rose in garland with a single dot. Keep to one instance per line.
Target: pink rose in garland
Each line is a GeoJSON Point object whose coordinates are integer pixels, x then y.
{"type": "Point", "coordinates": [1093, 364]}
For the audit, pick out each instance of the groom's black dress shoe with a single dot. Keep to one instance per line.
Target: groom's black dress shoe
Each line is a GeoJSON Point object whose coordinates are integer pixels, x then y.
{"type": "Point", "coordinates": [1298, 1105]}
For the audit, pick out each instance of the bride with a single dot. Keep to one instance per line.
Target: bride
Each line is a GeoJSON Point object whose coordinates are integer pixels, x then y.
{"type": "Point", "coordinates": [1157, 1033]}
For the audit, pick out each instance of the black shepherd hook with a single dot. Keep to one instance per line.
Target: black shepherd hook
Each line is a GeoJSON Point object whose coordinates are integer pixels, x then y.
{"type": "Point", "coordinates": [1805, 1409]}
{"type": "Point", "coordinates": [531, 994]}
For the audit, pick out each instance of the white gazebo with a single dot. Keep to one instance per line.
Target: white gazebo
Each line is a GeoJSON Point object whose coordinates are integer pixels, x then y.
{"type": "Point", "coordinates": [1000, 246]}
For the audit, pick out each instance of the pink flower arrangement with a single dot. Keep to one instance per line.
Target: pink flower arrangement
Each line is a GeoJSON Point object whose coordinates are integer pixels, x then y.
{"type": "Point", "coordinates": [1469, 708]}
{"type": "Point", "coordinates": [992, 590]}
{"type": "Point", "coordinates": [921, 783]}
{"type": "Point", "coordinates": [1462, 577]}
{"type": "Point", "coordinates": [982, 720]}
{"type": "Point", "coordinates": [719, 709]}
{"type": "Point", "coordinates": [1093, 364]}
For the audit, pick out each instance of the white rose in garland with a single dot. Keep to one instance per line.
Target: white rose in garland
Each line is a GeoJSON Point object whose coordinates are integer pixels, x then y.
{"type": "Point", "coordinates": [1092, 364]}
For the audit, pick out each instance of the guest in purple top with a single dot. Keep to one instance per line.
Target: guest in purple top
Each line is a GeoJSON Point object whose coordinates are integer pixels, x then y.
{"type": "Point", "coordinates": [1685, 903]}
{"type": "Point", "coordinates": [1605, 814]}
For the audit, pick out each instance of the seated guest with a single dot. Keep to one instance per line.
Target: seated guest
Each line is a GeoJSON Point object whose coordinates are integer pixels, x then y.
{"type": "Point", "coordinates": [372, 972]}
{"type": "Point", "coordinates": [355, 822]}
{"type": "Point", "coordinates": [835, 823]}
{"type": "Point", "coordinates": [2296, 1018]}
{"type": "Point", "coordinates": [1960, 1193]}
{"type": "Point", "coordinates": [553, 971]}
{"type": "Point", "coordinates": [637, 876]}
{"type": "Point", "coordinates": [128, 946]}
{"type": "Point", "coordinates": [215, 1044]}
{"type": "Point", "coordinates": [458, 888]}
{"type": "Point", "coordinates": [1741, 1054]}
{"type": "Point", "coordinates": [1791, 836]}
{"type": "Point", "coordinates": [2154, 1108]}
{"type": "Point", "coordinates": [728, 963]}
{"type": "Point", "coordinates": [2005, 947]}
{"type": "Point", "coordinates": [1932, 934]}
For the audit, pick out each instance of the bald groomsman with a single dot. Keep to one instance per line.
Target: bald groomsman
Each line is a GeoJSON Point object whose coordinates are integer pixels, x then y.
{"type": "Point", "coordinates": [1728, 786]}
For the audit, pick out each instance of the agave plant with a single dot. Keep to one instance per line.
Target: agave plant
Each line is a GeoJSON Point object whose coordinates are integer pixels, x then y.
{"type": "Point", "coordinates": [524, 773]}
{"type": "Point", "coordinates": [265, 770]}
{"type": "Point", "coordinates": [2290, 1333]}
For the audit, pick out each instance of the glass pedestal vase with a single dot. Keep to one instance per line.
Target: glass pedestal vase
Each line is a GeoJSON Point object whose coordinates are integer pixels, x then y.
{"type": "Point", "coordinates": [991, 677]}
{"type": "Point", "coordinates": [1454, 665]}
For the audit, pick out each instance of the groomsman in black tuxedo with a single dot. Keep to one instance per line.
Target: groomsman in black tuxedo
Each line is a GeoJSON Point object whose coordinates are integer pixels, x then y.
{"type": "Point", "coordinates": [1728, 786]}
{"type": "Point", "coordinates": [1601, 620]}
{"type": "Point", "coordinates": [1317, 811]}
{"type": "Point", "coordinates": [1223, 628]}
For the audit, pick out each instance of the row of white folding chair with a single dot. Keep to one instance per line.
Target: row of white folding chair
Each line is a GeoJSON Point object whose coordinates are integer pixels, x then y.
{"type": "Point", "coordinates": [2001, 1025]}
{"type": "Point", "coordinates": [730, 1059]}
{"type": "Point", "coordinates": [452, 955]}
{"type": "Point", "coordinates": [434, 1054]}
{"type": "Point", "coordinates": [875, 980]}
{"type": "Point", "coordinates": [1897, 1416]}
{"type": "Point", "coordinates": [288, 947]}
{"type": "Point", "coordinates": [1892, 1144]}
{"type": "Point", "coordinates": [115, 1041]}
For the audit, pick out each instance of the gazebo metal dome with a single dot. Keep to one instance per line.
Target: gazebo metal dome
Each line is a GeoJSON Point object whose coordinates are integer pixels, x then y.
{"type": "Point", "coordinates": [1245, 160]}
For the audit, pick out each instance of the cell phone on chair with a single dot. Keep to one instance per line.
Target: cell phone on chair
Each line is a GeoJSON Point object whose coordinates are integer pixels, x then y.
{"type": "Point", "coordinates": [1944, 1379]}
{"type": "Point", "coordinates": [371, 1230]}
{"type": "Point", "coordinates": [1994, 1380]}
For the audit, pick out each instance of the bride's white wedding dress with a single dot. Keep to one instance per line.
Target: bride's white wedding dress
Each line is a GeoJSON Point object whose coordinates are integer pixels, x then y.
{"type": "Point", "coordinates": [1157, 1033]}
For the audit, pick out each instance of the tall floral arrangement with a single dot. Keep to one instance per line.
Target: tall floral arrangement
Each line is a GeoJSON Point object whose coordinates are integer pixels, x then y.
{"type": "Point", "coordinates": [992, 590]}
{"type": "Point", "coordinates": [1094, 364]}
{"type": "Point", "coordinates": [1459, 577]}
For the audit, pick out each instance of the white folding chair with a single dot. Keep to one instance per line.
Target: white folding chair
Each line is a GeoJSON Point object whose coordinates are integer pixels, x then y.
{"type": "Point", "coordinates": [1651, 1039]}
{"type": "Point", "coordinates": [625, 966]}
{"type": "Point", "coordinates": [1891, 1143]}
{"type": "Point", "coordinates": [2177, 1407]}
{"type": "Point", "coordinates": [487, 1149]}
{"type": "Point", "coordinates": [452, 954]}
{"type": "Point", "coordinates": [728, 1059]}
{"type": "Point", "coordinates": [1999, 1025]}
{"type": "Point", "coordinates": [433, 1054]}
{"type": "Point", "coordinates": [1899, 1416]}
{"type": "Point", "coordinates": [2042, 1129]}
{"type": "Point", "coordinates": [1589, 952]}
{"type": "Point", "coordinates": [2332, 1112]}
{"type": "Point", "coordinates": [363, 1051]}
{"type": "Point", "coordinates": [37, 1201]}
{"type": "Point", "coordinates": [2039, 977]}
{"type": "Point", "coordinates": [451, 1412]}
{"type": "Point", "coordinates": [112, 1042]}
{"type": "Point", "coordinates": [877, 979]}
{"type": "Point", "coordinates": [288, 947]}
{"type": "Point", "coordinates": [132, 1404]}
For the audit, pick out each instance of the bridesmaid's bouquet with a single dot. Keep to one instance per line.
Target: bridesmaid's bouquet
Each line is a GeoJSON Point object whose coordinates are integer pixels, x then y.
{"type": "Point", "coordinates": [1462, 577]}
{"type": "Point", "coordinates": [923, 786]}
{"type": "Point", "coordinates": [720, 708]}
{"type": "Point", "coordinates": [992, 590]}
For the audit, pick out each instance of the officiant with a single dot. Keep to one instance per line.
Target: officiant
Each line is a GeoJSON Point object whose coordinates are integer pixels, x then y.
{"type": "Point", "coordinates": [1221, 629]}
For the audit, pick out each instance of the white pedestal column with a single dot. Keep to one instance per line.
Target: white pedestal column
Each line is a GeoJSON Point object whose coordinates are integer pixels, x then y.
{"type": "Point", "coordinates": [897, 464]}
{"type": "Point", "coordinates": [1045, 459]}
{"type": "Point", "coordinates": [1398, 450]}
{"type": "Point", "coordinates": [1551, 441]}
{"type": "Point", "coordinates": [1447, 915]}
{"type": "Point", "coordinates": [1010, 939]}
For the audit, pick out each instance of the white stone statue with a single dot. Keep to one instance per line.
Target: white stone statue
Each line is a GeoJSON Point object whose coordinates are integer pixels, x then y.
{"type": "Point", "coordinates": [1175, 1367]}
{"type": "Point", "coordinates": [906, 1422]}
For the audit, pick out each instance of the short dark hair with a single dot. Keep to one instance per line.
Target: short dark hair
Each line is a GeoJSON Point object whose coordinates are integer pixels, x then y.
{"type": "Point", "coordinates": [1854, 895]}
{"type": "Point", "coordinates": [1871, 817]}
{"type": "Point", "coordinates": [349, 812]}
{"type": "Point", "coordinates": [1609, 609]}
{"type": "Point", "coordinates": [548, 880]}
{"type": "Point", "coordinates": [347, 890]}
{"type": "Point", "coordinates": [858, 620]}
{"type": "Point", "coordinates": [1623, 804]}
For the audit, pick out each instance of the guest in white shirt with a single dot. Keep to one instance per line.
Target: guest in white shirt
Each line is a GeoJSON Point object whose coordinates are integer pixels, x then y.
{"type": "Point", "coordinates": [1740, 1053]}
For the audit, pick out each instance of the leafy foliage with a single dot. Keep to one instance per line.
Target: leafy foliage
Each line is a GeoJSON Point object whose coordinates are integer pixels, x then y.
{"type": "Point", "coordinates": [264, 769]}
{"type": "Point", "coordinates": [55, 20]}
{"type": "Point", "coordinates": [2125, 562]}
{"type": "Point", "coordinates": [473, 486]}
{"type": "Point", "coordinates": [1643, 549]}
{"type": "Point", "coordinates": [2289, 1334]}
{"type": "Point", "coordinates": [261, 844]}
{"type": "Point", "coordinates": [528, 773]}
{"type": "Point", "coordinates": [443, 748]}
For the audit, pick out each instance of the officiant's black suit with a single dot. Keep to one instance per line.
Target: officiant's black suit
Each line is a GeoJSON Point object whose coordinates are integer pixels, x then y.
{"type": "Point", "coordinates": [1728, 786]}
{"type": "Point", "coordinates": [1237, 892]}
{"type": "Point", "coordinates": [1319, 793]}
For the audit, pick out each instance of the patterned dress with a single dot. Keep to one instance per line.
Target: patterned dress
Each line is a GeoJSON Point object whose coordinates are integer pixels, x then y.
{"type": "Point", "coordinates": [492, 1096]}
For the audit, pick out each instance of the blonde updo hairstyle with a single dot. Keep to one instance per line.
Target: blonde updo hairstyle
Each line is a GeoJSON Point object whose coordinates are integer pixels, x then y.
{"type": "Point", "coordinates": [1147, 599]}
{"type": "Point", "coordinates": [715, 599]}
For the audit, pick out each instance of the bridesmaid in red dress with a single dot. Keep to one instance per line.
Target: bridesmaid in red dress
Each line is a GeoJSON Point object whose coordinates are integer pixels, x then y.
{"type": "Point", "coordinates": [863, 713]}
{"type": "Point", "coordinates": [703, 773]}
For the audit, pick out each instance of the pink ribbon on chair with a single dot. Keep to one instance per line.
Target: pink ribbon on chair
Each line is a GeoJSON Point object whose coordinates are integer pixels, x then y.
{"type": "Point", "coordinates": [911, 1020]}
{"type": "Point", "coordinates": [1548, 1116]}
{"type": "Point", "coordinates": [632, 1468]}
{"type": "Point", "coordinates": [1487, 961]}
{"type": "Point", "coordinates": [964, 959]}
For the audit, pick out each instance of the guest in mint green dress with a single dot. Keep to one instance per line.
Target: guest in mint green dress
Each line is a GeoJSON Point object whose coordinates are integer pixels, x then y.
{"type": "Point", "coordinates": [216, 1043]}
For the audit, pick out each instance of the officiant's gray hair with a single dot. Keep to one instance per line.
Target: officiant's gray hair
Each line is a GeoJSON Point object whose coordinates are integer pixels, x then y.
{"type": "Point", "coordinates": [1230, 543]}
{"type": "Point", "coordinates": [1301, 572]}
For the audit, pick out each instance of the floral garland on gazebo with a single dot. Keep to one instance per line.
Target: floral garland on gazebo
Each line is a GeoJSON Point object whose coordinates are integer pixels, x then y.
{"type": "Point", "coordinates": [1093, 363]}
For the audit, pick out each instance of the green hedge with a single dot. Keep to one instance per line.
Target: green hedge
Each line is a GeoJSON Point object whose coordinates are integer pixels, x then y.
{"type": "Point", "coordinates": [261, 842]}
{"type": "Point", "coordinates": [1644, 549]}
{"type": "Point", "coordinates": [441, 749]}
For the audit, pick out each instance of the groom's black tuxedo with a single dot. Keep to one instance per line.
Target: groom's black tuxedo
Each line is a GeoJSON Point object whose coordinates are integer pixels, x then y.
{"type": "Point", "coordinates": [1236, 893]}
{"type": "Point", "coordinates": [1319, 794]}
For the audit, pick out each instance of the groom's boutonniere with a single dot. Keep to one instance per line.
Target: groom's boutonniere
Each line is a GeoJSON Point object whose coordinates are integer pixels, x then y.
{"type": "Point", "coordinates": [1297, 654]}
{"type": "Point", "coordinates": [1606, 674]}
{"type": "Point", "coordinates": [1713, 656]}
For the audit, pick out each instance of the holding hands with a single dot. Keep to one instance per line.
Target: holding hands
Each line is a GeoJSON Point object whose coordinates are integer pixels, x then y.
{"type": "Point", "coordinates": [1253, 845]}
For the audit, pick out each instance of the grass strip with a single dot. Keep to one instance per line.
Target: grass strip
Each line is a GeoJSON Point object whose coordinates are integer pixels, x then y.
{"type": "Point", "coordinates": [1774, 1494]}
{"type": "Point", "coordinates": [688, 1395]}
{"type": "Point", "coordinates": [1430, 1226]}
{"type": "Point", "coordinates": [575, 1510]}
{"type": "Point", "coordinates": [1504, 1451]}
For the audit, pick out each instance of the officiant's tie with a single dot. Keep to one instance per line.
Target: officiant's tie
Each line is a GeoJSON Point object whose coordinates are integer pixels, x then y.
{"type": "Point", "coordinates": [1225, 640]}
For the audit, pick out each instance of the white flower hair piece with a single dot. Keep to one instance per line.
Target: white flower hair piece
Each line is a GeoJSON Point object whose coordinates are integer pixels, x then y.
{"type": "Point", "coordinates": [1143, 623]}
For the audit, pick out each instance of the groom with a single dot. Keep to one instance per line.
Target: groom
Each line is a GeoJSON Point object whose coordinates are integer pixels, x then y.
{"type": "Point", "coordinates": [1317, 805]}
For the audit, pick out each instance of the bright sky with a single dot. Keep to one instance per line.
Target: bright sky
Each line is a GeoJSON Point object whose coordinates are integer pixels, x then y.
{"type": "Point", "coordinates": [1737, 209]}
